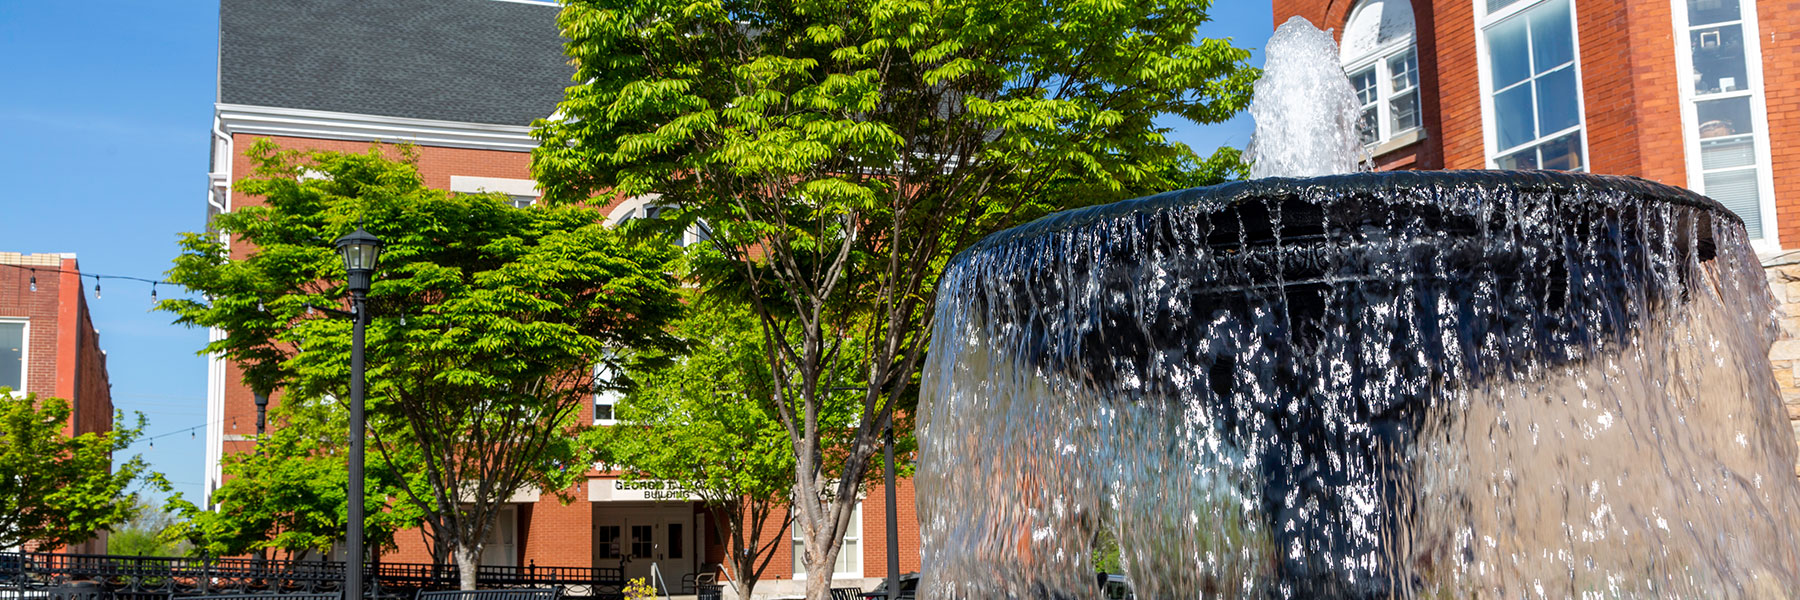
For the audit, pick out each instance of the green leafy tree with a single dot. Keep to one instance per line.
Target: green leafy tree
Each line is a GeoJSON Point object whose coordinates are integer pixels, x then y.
{"type": "Point", "coordinates": [143, 533]}
{"type": "Point", "coordinates": [55, 489]}
{"type": "Point", "coordinates": [707, 422]}
{"type": "Point", "coordinates": [841, 151]}
{"type": "Point", "coordinates": [488, 321]}
{"type": "Point", "coordinates": [289, 495]}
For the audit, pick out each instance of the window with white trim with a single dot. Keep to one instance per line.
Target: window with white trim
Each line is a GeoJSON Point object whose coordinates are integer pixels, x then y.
{"type": "Point", "coordinates": [1380, 53]}
{"type": "Point", "coordinates": [1723, 110]}
{"type": "Point", "coordinates": [1533, 86]}
{"type": "Point", "coordinates": [12, 354]}
{"type": "Point", "coordinates": [606, 400]}
{"type": "Point", "coordinates": [647, 207]}
{"type": "Point", "coordinates": [849, 559]}
{"type": "Point", "coordinates": [520, 193]}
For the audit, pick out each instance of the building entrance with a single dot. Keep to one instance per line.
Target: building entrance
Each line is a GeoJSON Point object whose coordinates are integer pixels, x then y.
{"type": "Point", "coordinates": [634, 536]}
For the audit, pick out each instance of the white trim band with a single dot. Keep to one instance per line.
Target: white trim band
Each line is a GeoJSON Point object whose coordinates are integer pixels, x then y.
{"type": "Point", "coordinates": [295, 122]}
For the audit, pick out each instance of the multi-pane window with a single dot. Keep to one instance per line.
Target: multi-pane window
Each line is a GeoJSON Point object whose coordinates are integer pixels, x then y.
{"type": "Point", "coordinates": [1534, 88]}
{"type": "Point", "coordinates": [1725, 95]}
{"type": "Point", "coordinates": [606, 400]}
{"type": "Point", "coordinates": [696, 233]}
{"type": "Point", "coordinates": [12, 355]}
{"type": "Point", "coordinates": [643, 541]}
{"type": "Point", "coordinates": [1369, 122]}
{"type": "Point", "coordinates": [849, 559]}
{"type": "Point", "coordinates": [1380, 55]}
{"type": "Point", "coordinates": [608, 537]}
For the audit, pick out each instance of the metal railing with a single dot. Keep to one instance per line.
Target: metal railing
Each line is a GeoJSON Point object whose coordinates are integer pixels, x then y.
{"type": "Point", "coordinates": [31, 575]}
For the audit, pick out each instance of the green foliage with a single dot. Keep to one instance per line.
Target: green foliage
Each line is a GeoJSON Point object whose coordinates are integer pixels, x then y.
{"type": "Point", "coordinates": [289, 495]}
{"type": "Point", "coordinates": [1106, 552]}
{"type": "Point", "coordinates": [487, 320]}
{"type": "Point", "coordinates": [142, 533]}
{"type": "Point", "coordinates": [59, 490]}
{"type": "Point", "coordinates": [841, 151]}
{"type": "Point", "coordinates": [707, 419]}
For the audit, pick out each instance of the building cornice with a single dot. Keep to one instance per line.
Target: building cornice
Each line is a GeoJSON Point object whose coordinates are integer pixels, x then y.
{"type": "Point", "coordinates": [320, 124]}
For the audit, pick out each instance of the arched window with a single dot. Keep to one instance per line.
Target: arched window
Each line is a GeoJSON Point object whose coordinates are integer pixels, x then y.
{"type": "Point", "coordinates": [1381, 55]}
{"type": "Point", "coordinates": [650, 207]}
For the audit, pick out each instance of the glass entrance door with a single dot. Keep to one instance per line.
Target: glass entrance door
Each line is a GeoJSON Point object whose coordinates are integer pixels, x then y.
{"type": "Point", "coordinates": [632, 538]}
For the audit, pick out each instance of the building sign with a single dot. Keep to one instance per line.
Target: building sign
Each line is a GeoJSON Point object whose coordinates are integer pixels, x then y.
{"type": "Point", "coordinates": [642, 490]}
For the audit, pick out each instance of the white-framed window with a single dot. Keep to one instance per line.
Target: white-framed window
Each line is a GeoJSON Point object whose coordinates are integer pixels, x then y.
{"type": "Point", "coordinates": [606, 401]}
{"type": "Point", "coordinates": [849, 559]}
{"type": "Point", "coordinates": [15, 350]}
{"type": "Point", "coordinates": [520, 193]}
{"type": "Point", "coordinates": [1723, 109]}
{"type": "Point", "coordinates": [648, 207]}
{"type": "Point", "coordinates": [1380, 54]}
{"type": "Point", "coordinates": [1531, 85]}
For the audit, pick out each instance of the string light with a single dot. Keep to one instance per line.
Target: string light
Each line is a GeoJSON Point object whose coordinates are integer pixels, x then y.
{"type": "Point", "coordinates": [97, 277]}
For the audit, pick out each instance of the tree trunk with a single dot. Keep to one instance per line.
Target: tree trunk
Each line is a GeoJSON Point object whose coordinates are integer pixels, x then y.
{"type": "Point", "coordinates": [467, 557]}
{"type": "Point", "coordinates": [818, 576]}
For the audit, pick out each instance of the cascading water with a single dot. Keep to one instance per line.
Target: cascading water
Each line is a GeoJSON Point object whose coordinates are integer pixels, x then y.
{"type": "Point", "coordinates": [1375, 385]}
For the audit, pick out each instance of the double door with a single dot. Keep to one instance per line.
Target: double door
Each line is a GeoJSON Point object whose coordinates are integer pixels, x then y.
{"type": "Point", "coordinates": [634, 538]}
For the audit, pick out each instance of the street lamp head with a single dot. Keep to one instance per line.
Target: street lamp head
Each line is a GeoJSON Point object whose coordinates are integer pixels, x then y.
{"type": "Point", "coordinates": [361, 251]}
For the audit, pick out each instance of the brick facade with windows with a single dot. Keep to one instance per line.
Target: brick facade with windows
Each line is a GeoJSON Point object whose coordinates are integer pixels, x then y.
{"type": "Point", "coordinates": [460, 80]}
{"type": "Point", "coordinates": [60, 354]}
{"type": "Point", "coordinates": [1703, 94]}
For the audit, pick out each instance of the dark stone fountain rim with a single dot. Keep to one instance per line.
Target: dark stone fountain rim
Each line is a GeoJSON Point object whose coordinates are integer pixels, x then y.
{"type": "Point", "coordinates": [1226, 194]}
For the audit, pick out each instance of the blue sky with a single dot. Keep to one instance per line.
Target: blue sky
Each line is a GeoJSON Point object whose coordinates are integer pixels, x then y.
{"type": "Point", "coordinates": [103, 147]}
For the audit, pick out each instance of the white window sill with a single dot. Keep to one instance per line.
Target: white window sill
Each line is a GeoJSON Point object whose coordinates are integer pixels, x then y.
{"type": "Point", "coordinates": [1400, 140]}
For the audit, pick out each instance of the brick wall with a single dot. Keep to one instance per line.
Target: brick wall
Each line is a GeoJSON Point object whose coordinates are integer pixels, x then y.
{"type": "Point", "coordinates": [1781, 84]}
{"type": "Point", "coordinates": [556, 533]}
{"type": "Point", "coordinates": [39, 308]}
{"type": "Point", "coordinates": [63, 356]}
{"type": "Point", "coordinates": [1656, 92]}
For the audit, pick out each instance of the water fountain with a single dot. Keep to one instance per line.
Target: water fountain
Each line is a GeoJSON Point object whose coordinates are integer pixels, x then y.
{"type": "Point", "coordinates": [1362, 385]}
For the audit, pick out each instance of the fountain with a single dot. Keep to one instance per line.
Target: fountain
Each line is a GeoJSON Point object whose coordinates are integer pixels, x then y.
{"type": "Point", "coordinates": [1360, 385]}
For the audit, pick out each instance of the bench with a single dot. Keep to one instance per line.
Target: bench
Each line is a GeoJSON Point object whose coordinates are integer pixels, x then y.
{"type": "Point", "coordinates": [846, 593]}
{"type": "Point", "coordinates": [518, 594]}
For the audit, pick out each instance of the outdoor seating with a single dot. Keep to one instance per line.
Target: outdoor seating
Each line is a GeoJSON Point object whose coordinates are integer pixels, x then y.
{"type": "Point", "coordinates": [518, 594]}
{"type": "Point", "coordinates": [846, 593]}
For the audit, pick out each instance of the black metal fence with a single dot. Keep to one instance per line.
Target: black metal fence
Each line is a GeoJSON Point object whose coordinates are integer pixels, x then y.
{"type": "Point", "coordinates": [38, 575]}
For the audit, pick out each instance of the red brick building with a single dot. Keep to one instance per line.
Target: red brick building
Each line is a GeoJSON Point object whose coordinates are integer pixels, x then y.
{"type": "Point", "coordinates": [1694, 93]}
{"type": "Point", "coordinates": [49, 347]}
{"type": "Point", "coordinates": [461, 80]}
{"type": "Point", "coordinates": [1703, 94]}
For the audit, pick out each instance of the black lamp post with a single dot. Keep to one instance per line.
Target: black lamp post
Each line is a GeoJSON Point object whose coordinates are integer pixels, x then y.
{"type": "Point", "coordinates": [262, 416]}
{"type": "Point", "coordinates": [360, 251]}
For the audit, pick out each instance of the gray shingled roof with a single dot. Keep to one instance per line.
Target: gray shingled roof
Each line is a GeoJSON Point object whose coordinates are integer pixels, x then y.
{"type": "Point", "coordinates": [479, 61]}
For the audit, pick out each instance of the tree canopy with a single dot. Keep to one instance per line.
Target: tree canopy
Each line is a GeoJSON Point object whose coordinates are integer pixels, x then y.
{"type": "Point", "coordinates": [841, 151]}
{"type": "Point", "coordinates": [707, 421]}
{"type": "Point", "coordinates": [289, 494]}
{"type": "Point", "coordinates": [487, 321]}
{"type": "Point", "coordinates": [55, 489]}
